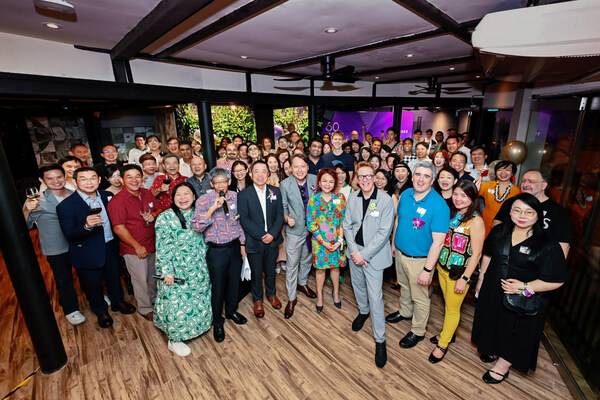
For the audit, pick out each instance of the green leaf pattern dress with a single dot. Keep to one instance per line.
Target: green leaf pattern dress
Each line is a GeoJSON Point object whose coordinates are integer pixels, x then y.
{"type": "Point", "coordinates": [182, 311]}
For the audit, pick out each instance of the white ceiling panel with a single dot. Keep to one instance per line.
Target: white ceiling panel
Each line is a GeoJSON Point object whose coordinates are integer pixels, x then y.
{"type": "Point", "coordinates": [100, 23]}
{"type": "Point", "coordinates": [466, 10]}
{"type": "Point", "coordinates": [295, 30]}
{"type": "Point", "coordinates": [438, 48]}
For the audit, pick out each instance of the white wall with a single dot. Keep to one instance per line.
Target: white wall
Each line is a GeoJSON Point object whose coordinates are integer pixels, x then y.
{"type": "Point", "coordinates": [25, 55]}
{"type": "Point", "coordinates": [437, 121]}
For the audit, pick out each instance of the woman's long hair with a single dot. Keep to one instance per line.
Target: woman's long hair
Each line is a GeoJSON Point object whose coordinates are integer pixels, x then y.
{"type": "Point", "coordinates": [233, 186]}
{"type": "Point", "coordinates": [176, 209]}
{"type": "Point", "coordinates": [280, 172]}
{"type": "Point", "coordinates": [472, 193]}
{"type": "Point", "coordinates": [395, 182]}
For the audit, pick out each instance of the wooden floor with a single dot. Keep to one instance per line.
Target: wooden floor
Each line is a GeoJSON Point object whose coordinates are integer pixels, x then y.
{"type": "Point", "coordinates": [310, 356]}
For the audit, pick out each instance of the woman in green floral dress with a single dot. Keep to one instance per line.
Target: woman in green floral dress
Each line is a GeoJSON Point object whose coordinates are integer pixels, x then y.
{"type": "Point", "coordinates": [182, 309]}
{"type": "Point", "coordinates": [324, 217]}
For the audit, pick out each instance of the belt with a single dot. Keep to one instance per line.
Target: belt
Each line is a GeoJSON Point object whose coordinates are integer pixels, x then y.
{"type": "Point", "coordinates": [219, 245]}
{"type": "Point", "coordinates": [407, 256]}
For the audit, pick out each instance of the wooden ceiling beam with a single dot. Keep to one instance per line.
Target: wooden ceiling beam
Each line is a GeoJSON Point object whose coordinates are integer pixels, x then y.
{"type": "Point", "coordinates": [226, 22]}
{"type": "Point", "coordinates": [163, 18]}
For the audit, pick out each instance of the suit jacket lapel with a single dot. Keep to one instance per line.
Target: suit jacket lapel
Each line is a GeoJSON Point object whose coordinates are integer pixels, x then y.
{"type": "Point", "coordinates": [258, 200]}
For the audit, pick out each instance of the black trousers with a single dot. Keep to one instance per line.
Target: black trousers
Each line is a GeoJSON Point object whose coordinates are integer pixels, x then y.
{"type": "Point", "coordinates": [224, 267]}
{"type": "Point", "coordinates": [91, 280]}
{"type": "Point", "coordinates": [63, 278]}
{"type": "Point", "coordinates": [261, 262]}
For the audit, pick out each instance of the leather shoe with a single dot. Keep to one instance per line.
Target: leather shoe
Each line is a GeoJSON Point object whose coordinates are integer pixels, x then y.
{"type": "Point", "coordinates": [289, 309]}
{"type": "Point", "coordinates": [308, 292]}
{"type": "Point", "coordinates": [435, 339]}
{"type": "Point", "coordinates": [123, 307]}
{"type": "Point", "coordinates": [105, 320]}
{"type": "Point", "coordinates": [488, 358]}
{"type": "Point", "coordinates": [433, 359]}
{"type": "Point", "coordinates": [410, 340]}
{"type": "Point", "coordinates": [259, 311]}
{"type": "Point", "coordinates": [380, 354]}
{"type": "Point", "coordinates": [490, 380]}
{"type": "Point", "coordinates": [275, 302]}
{"type": "Point", "coordinates": [359, 321]}
{"type": "Point", "coordinates": [395, 317]}
{"type": "Point", "coordinates": [237, 318]}
{"type": "Point", "coordinates": [219, 333]}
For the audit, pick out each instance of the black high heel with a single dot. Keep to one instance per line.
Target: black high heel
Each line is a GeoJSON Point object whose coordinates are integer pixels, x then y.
{"type": "Point", "coordinates": [490, 380]}
{"type": "Point", "coordinates": [319, 309]}
{"type": "Point", "coordinates": [433, 359]}
{"type": "Point", "coordinates": [435, 339]}
{"type": "Point", "coordinates": [338, 304]}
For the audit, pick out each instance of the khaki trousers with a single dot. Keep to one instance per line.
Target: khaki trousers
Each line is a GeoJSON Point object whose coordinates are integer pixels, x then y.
{"type": "Point", "coordinates": [414, 298]}
{"type": "Point", "coordinates": [144, 285]}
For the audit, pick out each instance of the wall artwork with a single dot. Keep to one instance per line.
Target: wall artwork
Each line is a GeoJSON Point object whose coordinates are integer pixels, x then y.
{"type": "Point", "coordinates": [53, 137]}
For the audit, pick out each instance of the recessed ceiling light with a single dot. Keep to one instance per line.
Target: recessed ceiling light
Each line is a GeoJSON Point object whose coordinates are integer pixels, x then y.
{"type": "Point", "coordinates": [477, 76]}
{"type": "Point", "coordinates": [330, 30]}
{"type": "Point", "coordinates": [51, 25]}
{"type": "Point", "coordinates": [451, 68]}
{"type": "Point", "coordinates": [244, 57]}
{"type": "Point", "coordinates": [376, 77]}
{"type": "Point", "coordinates": [409, 55]}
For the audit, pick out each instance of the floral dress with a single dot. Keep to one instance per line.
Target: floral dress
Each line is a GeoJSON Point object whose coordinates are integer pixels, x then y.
{"type": "Point", "coordinates": [182, 310]}
{"type": "Point", "coordinates": [325, 219]}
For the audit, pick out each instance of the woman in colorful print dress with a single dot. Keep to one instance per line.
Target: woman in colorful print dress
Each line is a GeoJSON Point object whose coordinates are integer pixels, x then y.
{"type": "Point", "coordinates": [182, 309]}
{"type": "Point", "coordinates": [324, 217]}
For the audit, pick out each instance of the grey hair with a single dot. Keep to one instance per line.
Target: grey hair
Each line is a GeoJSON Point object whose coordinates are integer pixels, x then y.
{"type": "Point", "coordinates": [217, 171]}
{"type": "Point", "coordinates": [425, 164]}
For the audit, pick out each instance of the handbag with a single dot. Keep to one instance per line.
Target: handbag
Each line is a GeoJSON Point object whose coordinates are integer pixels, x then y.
{"type": "Point", "coordinates": [517, 303]}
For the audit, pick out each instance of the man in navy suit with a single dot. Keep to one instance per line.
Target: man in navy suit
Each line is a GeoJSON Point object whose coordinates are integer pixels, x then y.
{"type": "Point", "coordinates": [93, 250]}
{"type": "Point", "coordinates": [261, 214]}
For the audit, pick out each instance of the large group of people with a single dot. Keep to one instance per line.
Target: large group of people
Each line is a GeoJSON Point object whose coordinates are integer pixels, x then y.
{"type": "Point", "coordinates": [385, 207]}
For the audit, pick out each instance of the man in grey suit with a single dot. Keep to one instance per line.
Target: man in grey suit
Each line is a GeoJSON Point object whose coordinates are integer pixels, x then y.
{"type": "Point", "coordinates": [367, 228]}
{"type": "Point", "coordinates": [295, 192]}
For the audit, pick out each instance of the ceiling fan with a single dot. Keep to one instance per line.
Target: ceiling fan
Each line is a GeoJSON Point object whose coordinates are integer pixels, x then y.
{"type": "Point", "coordinates": [329, 74]}
{"type": "Point", "coordinates": [434, 87]}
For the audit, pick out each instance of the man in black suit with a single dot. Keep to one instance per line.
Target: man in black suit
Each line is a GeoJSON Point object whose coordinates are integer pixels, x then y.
{"type": "Point", "coordinates": [93, 250]}
{"type": "Point", "coordinates": [261, 214]}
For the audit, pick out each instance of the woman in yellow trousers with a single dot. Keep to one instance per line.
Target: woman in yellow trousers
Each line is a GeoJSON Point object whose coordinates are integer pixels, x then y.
{"type": "Point", "coordinates": [458, 259]}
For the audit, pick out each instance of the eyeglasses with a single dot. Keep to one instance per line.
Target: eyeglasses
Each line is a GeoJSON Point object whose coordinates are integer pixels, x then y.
{"type": "Point", "coordinates": [530, 181]}
{"type": "Point", "coordinates": [527, 213]}
{"type": "Point", "coordinates": [220, 181]}
{"type": "Point", "coordinates": [365, 177]}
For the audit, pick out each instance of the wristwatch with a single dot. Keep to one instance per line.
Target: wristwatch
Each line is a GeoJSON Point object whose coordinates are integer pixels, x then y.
{"type": "Point", "coordinates": [466, 278]}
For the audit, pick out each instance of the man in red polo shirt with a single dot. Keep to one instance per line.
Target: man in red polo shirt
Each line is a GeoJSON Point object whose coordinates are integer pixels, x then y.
{"type": "Point", "coordinates": [133, 222]}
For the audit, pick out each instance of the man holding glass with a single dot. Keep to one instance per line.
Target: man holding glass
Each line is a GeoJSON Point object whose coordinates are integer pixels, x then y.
{"type": "Point", "coordinates": [130, 212]}
{"type": "Point", "coordinates": [40, 209]}
{"type": "Point", "coordinates": [84, 221]}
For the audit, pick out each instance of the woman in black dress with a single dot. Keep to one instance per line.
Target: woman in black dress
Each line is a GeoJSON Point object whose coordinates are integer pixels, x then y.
{"type": "Point", "coordinates": [536, 266]}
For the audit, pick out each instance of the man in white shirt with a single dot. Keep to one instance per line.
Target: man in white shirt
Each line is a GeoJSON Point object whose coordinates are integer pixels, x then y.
{"type": "Point", "coordinates": [139, 149]}
{"type": "Point", "coordinates": [186, 153]}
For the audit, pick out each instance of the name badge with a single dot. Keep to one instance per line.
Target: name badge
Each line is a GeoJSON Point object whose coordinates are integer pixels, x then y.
{"type": "Point", "coordinates": [490, 190]}
{"type": "Point", "coordinates": [460, 229]}
{"type": "Point", "coordinates": [232, 206]}
{"type": "Point", "coordinates": [524, 250]}
{"type": "Point", "coordinates": [336, 201]}
{"type": "Point", "coordinates": [375, 214]}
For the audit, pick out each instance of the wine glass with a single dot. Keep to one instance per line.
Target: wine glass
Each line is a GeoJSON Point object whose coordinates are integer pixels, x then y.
{"type": "Point", "coordinates": [32, 193]}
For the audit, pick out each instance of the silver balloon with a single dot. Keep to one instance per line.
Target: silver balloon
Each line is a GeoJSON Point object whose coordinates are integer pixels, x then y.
{"type": "Point", "coordinates": [515, 151]}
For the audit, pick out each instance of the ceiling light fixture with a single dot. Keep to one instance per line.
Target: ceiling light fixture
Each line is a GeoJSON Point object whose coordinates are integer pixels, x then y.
{"type": "Point", "coordinates": [244, 57]}
{"type": "Point", "coordinates": [409, 55]}
{"type": "Point", "coordinates": [330, 30]}
{"type": "Point", "coordinates": [477, 76]}
{"type": "Point", "coordinates": [376, 77]}
{"type": "Point", "coordinates": [51, 25]}
{"type": "Point", "coordinates": [451, 68]}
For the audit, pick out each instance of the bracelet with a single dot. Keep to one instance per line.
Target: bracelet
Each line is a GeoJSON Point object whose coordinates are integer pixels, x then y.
{"type": "Point", "coordinates": [527, 292]}
{"type": "Point", "coordinates": [428, 270]}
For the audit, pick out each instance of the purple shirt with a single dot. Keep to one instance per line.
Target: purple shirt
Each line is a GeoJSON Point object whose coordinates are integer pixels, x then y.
{"type": "Point", "coordinates": [219, 228]}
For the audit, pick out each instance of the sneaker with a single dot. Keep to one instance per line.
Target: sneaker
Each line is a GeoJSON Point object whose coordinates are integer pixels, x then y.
{"type": "Point", "coordinates": [107, 300]}
{"type": "Point", "coordinates": [180, 348]}
{"type": "Point", "coordinates": [75, 318]}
